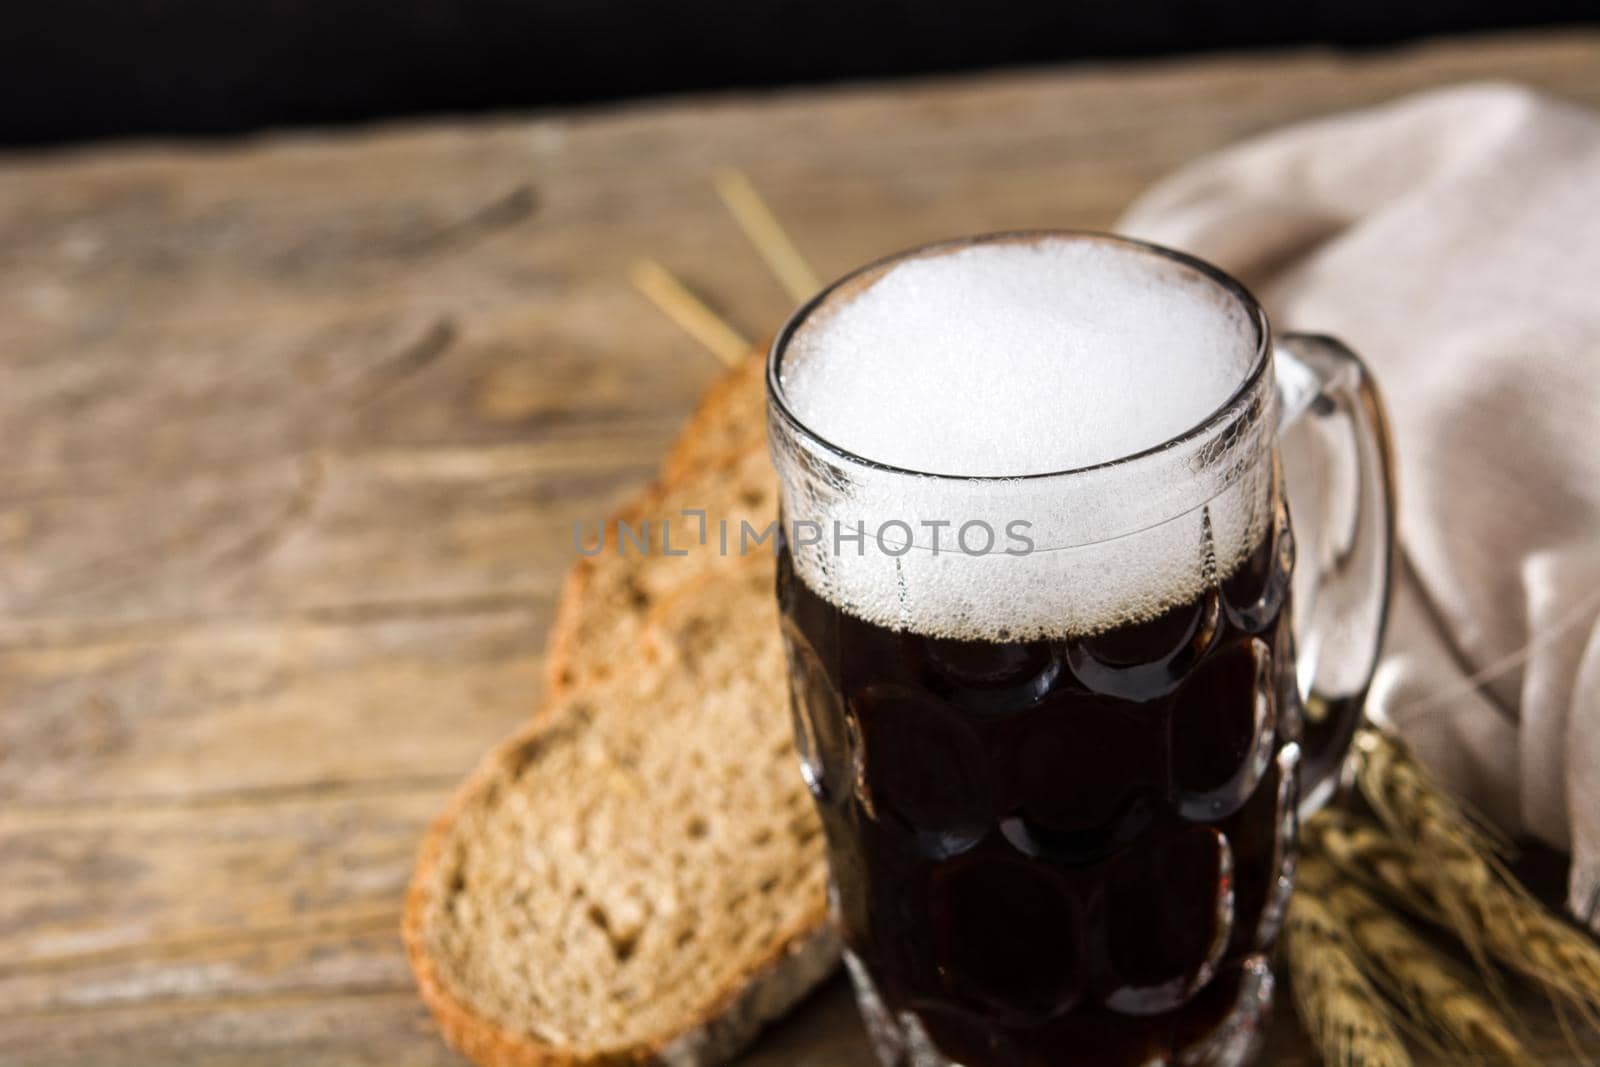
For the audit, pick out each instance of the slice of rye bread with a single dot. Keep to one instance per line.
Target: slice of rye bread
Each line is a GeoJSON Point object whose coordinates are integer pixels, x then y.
{"type": "Point", "coordinates": [749, 940]}
{"type": "Point", "coordinates": [608, 597]}
{"type": "Point", "coordinates": [638, 877]}
{"type": "Point", "coordinates": [718, 466]}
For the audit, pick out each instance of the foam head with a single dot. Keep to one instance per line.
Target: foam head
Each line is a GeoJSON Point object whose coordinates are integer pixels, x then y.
{"type": "Point", "coordinates": [1017, 357]}
{"type": "Point", "coordinates": [993, 383]}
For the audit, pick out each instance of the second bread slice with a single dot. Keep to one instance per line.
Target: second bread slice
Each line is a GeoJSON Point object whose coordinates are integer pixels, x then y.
{"type": "Point", "coordinates": [638, 877]}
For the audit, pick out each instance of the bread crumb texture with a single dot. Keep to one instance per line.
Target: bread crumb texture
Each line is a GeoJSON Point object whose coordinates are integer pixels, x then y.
{"type": "Point", "coordinates": [638, 876]}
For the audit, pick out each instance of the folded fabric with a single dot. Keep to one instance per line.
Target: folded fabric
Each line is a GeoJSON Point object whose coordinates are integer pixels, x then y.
{"type": "Point", "coordinates": [1453, 240]}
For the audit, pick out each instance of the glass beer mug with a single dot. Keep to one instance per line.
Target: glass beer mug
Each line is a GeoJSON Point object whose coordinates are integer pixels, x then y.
{"type": "Point", "coordinates": [1064, 673]}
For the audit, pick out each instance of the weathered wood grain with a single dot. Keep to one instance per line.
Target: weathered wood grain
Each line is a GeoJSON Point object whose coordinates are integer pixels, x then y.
{"type": "Point", "coordinates": [292, 434]}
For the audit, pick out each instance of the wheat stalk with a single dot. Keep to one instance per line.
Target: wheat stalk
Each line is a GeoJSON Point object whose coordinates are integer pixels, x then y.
{"type": "Point", "coordinates": [1436, 998]}
{"type": "Point", "coordinates": [1460, 862]}
{"type": "Point", "coordinates": [1519, 932]}
{"type": "Point", "coordinates": [1368, 854]}
{"type": "Point", "coordinates": [1407, 799]}
{"type": "Point", "coordinates": [1344, 1015]}
{"type": "Point", "coordinates": [691, 314]}
{"type": "Point", "coordinates": [766, 234]}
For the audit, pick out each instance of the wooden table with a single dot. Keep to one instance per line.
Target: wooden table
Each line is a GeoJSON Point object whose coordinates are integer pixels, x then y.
{"type": "Point", "coordinates": [292, 434]}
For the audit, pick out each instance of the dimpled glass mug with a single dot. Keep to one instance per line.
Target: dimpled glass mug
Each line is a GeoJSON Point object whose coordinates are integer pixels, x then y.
{"type": "Point", "coordinates": [1064, 674]}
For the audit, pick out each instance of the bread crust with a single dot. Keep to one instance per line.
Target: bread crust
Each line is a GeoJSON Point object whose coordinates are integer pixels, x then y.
{"type": "Point", "coordinates": [727, 422]}
{"type": "Point", "coordinates": [763, 989]}
{"type": "Point", "coordinates": [729, 419]}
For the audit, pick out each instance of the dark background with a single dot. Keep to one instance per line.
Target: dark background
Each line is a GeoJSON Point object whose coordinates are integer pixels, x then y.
{"type": "Point", "coordinates": [74, 69]}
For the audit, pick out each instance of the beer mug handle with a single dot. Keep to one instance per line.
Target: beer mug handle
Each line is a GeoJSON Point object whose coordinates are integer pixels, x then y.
{"type": "Point", "coordinates": [1333, 441]}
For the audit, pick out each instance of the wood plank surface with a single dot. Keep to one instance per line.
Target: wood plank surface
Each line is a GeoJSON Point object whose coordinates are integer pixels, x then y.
{"type": "Point", "coordinates": [293, 431]}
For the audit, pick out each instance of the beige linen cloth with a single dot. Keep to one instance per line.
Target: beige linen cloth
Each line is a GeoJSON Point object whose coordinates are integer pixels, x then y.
{"type": "Point", "coordinates": [1453, 240]}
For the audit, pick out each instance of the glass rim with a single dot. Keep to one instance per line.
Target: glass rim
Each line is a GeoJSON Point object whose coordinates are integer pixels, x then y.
{"type": "Point", "coordinates": [1228, 410]}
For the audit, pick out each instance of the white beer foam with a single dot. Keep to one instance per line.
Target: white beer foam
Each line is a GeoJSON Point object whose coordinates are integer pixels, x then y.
{"type": "Point", "coordinates": [1012, 359]}
{"type": "Point", "coordinates": [1018, 358]}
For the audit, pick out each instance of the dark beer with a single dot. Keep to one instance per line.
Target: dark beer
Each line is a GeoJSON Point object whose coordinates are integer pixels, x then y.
{"type": "Point", "coordinates": [1059, 778]}
{"type": "Point", "coordinates": [1062, 850]}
